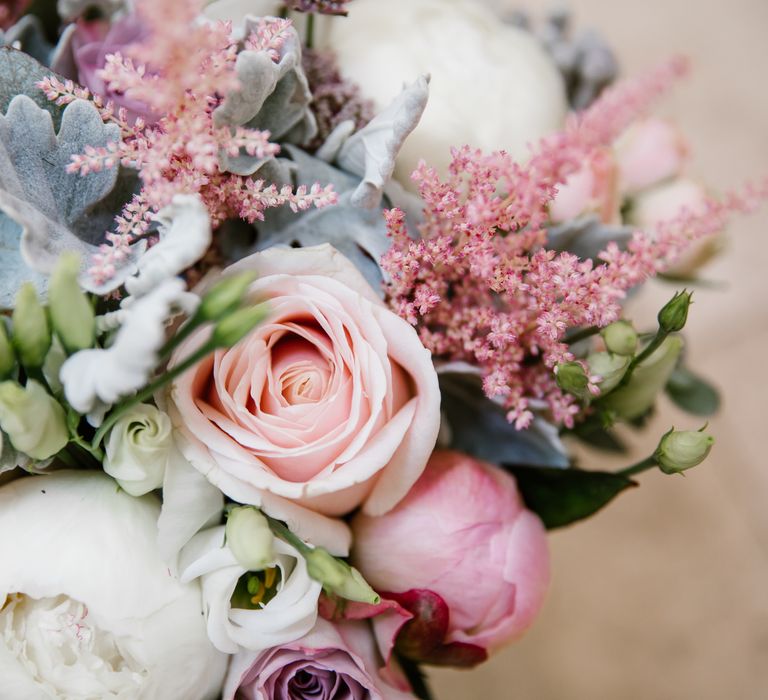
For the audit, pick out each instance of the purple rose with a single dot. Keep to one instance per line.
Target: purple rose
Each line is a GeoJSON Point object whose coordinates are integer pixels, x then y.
{"type": "Point", "coordinates": [92, 43]}
{"type": "Point", "coordinates": [333, 661]}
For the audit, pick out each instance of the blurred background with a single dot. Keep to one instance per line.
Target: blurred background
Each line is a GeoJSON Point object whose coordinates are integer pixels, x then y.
{"type": "Point", "coordinates": [664, 595]}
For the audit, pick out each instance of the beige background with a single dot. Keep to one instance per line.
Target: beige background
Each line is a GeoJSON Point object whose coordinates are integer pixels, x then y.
{"type": "Point", "coordinates": [664, 596]}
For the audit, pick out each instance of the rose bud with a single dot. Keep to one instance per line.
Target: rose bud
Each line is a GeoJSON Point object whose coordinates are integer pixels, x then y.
{"type": "Point", "coordinates": [464, 533]}
{"type": "Point", "coordinates": [652, 150]}
{"type": "Point", "coordinates": [620, 338]}
{"type": "Point", "coordinates": [609, 367]}
{"type": "Point", "coordinates": [31, 331]}
{"type": "Point", "coordinates": [674, 314]}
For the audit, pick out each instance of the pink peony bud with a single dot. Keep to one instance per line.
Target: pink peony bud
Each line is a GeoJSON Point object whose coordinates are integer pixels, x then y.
{"type": "Point", "coordinates": [590, 190]}
{"type": "Point", "coordinates": [464, 533]}
{"type": "Point", "coordinates": [651, 151]}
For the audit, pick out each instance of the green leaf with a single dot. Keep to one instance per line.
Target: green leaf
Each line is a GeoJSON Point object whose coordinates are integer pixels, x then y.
{"type": "Point", "coordinates": [594, 433]}
{"type": "Point", "coordinates": [692, 393]}
{"type": "Point", "coordinates": [564, 496]}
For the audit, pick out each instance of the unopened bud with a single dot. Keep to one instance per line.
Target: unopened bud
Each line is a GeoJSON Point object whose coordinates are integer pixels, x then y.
{"type": "Point", "coordinates": [679, 450]}
{"type": "Point", "coordinates": [7, 356]}
{"type": "Point", "coordinates": [72, 315]}
{"type": "Point", "coordinates": [637, 396]}
{"type": "Point", "coordinates": [31, 333]}
{"type": "Point", "coordinates": [232, 329]}
{"type": "Point", "coordinates": [674, 314]}
{"type": "Point", "coordinates": [609, 367]}
{"type": "Point", "coordinates": [249, 538]}
{"type": "Point", "coordinates": [620, 338]}
{"type": "Point", "coordinates": [338, 577]}
{"type": "Point", "coordinates": [572, 378]}
{"type": "Point", "coordinates": [225, 296]}
{"type": "Point", "coordinates": [33, 420]}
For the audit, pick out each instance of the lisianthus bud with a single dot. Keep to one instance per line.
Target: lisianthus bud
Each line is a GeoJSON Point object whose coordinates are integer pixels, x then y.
{"type": "Point", "coordinates": [225, 296]}
{"type": "Point", "coordinates": [620, 338]}
{"type": "Point", "coordinates": [7, 356]}
{"type": "Point", "coordinates": [231, 330]}
{"type": "Point", "coordinates": [648, 379]}
{"type": "Point", "coordinates": [339, 577]}
{"type": "Point", "coordinates": [33, 420]}
{"type": "Point", "coordinates": [31, 333]}
{"type": "Point", "coordinates": [72, 315]}
{"type": "Point", "coordinates": [249, 538]}
{"type": "Point", "coordinates": [679, 450]}
{"type": "Point", "coordinates": [572, 378]}
{"type": "Point", "coordinates": [674, 314]}
{"type": "Point", "coordinates": [464, 533]}
{"type": "Point", "coordinates": [609, 367]}
{"type": "Point", "coordinates": [138, 448]}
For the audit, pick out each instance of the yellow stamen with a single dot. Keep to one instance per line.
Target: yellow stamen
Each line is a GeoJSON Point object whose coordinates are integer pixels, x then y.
{"type": "Point", "coordinates": [269, 577]}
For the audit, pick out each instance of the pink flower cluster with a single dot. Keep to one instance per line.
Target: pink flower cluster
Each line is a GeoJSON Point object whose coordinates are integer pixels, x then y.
{"type": "Point", "coordinates": [182, 70]}
{"type": "Point", "coordinates": [480, 284]}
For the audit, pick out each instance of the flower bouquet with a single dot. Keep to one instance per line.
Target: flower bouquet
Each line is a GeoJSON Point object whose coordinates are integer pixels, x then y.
{"type": "Point", "coordinates": [299, 299]}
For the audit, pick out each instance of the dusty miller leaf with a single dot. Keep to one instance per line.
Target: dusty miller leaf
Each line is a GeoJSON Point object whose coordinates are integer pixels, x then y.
{"type": "Point", "coordinates": [19, 75]}
{"type": "Point", "coordinates": [479, 427]}
{"type": "Point", "coordinates": [57, 210]}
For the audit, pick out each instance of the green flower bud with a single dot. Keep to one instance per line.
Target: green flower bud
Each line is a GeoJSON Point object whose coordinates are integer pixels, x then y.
{"type": "Point", "coordinates": [648, 379]}
{"type": "Point", "coordinates": [609, 367]}
{"type": "Point", "coordinates": [31, 333]}
{"type": "Point", "coordinates": [249, 538]}
{"type": "Point", "coordinates": [71, 313]}
{"type": "Point", "coordinates": [673, 316]}
{"type": "Point", "coordinates": [572, 378]}
{"type": "Point", "coordinates": [7, 356]}
{"type": "Point", "coordinates": [620, 338]}
{"type": "Point", "coordinates": [338, 577]}
{"type": "Point", "coordinates": [32, 419]}
{"type": "Point", "coordinates": [225, 296]}
{"type": "Point", "coordinates": [679, 450]}
{"type": "Point", "coordinates": [232, 329]}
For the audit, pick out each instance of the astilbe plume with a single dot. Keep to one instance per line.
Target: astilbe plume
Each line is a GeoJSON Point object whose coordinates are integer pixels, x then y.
{"type": "Point", "coordinates": [326, 7]}
{"type": "Point", "coordinates": [182, 70]}
{"type": "Point", "coordinates": [480, 284]}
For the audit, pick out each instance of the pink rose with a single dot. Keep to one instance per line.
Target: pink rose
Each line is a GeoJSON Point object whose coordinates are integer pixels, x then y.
{"type": "Point", "coordinates": [92, 42]}
{"type": "Point", "coordinates": [593, 189]}
{"type": "Point", "coordinates": [652, 150]}
{"type": "Point", "coordinates": [463, 533]}
{"type": "Point", "coordinates": [333, 402]}
{"type": "Point", "coordinates": [333, 661]}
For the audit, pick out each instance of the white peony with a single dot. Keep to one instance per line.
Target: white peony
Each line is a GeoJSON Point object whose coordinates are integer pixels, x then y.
{"type": "Point", "coordinates": [290, 595]}
{"type": "Point", "coordinates": [88, 611]}
{"type": "Point", "coordinates": [492, 85]}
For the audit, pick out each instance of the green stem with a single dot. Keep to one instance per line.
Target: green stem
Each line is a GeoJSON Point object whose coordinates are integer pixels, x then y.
{"type": "Point", "coordinates": [284, 533]}
{"type": "Point", "coordinates": [96, 452]}
{"type": "Point", "coordinates": [310, 36]}
{"type": "Point", "coordinates": [582, 334]}
{"type": "Point", "coordinates": [647, 351]}
{"type": "Point", "coordinates": [149, 391]}
{"type": "Point", "coordinates": [183, 333]}
{"type": "Point", "coordinates": [641, 466]}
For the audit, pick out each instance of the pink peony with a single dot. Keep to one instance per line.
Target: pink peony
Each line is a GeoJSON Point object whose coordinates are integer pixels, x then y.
{"type": "Point", "coordinates": [652, 150]}
{"type": "Point", "coordinates": [592, 189]}
{"type": "Point", "coordinates": [463, 533]}
{"type": "Point", "coordinates": [332, 661]}
{"type": "Point", "coordinates": [332, 402]}
{"type": "Point", "coordinates": [91, 44]}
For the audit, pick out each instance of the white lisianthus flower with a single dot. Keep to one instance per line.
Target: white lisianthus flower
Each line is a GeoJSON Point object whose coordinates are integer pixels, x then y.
{"type": "Point", "coordinates": [492, 85]}
{"type": "Point", "coordinates": [284, 598]}
{"type": "Point", "coordinates": [87, 607]}
{"type": "Point", "coordinates": [138, 449]}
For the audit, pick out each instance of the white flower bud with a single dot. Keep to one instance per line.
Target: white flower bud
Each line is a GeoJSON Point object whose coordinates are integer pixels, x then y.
{"type": "Point", "coordinates": [609, 367]}
{"type": "Point", "coordinates": [138, 448]}
{"type": "Point", "coordinates": [249, 538]}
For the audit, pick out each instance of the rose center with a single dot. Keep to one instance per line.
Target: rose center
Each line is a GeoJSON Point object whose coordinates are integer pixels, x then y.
{"type": "Point", "coordinates": [63, 650]}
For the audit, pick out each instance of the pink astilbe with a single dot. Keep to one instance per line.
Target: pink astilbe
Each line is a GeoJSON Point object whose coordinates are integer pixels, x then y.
{"type": "Point", "coordinates": [182, 71]}
{"type": "Point", "coordinates": [327, 7]}
{"type": "Point", "coordinates": [480, 285]}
